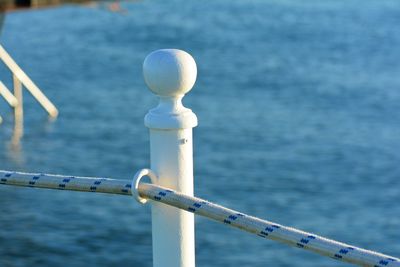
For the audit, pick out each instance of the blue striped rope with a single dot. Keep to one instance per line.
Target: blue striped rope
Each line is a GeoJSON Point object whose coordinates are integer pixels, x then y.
{"type": "Point", "coordinates": [61, 182]}
{"type": "Point", "coordinates": [263, 228]}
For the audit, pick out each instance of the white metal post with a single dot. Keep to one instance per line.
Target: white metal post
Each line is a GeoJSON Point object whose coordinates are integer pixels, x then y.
{"type": "Point", "coordinates": [18, 111]}
{"type": "Point", "coordinates": [170, 73]}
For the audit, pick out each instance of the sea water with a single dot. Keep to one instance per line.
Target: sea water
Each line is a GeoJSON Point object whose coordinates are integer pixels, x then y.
{"type": "Point", "coordinates": [299, 123]}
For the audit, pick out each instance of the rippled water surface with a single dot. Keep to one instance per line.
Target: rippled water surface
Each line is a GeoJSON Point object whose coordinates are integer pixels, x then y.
{"type": "Point", "coordinates": [298, 106]}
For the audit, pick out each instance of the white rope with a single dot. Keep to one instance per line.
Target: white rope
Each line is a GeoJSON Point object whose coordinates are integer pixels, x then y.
{"type": "Point", "coordinates": [267, 229]}
{"type": "Point", "coordinates": [50, 181]}
{"type": "Point", "coordinates": [262, 228]}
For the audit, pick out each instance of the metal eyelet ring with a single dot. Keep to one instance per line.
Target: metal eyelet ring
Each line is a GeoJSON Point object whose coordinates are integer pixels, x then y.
{"type": "Point", "coordinates": [136, 180]}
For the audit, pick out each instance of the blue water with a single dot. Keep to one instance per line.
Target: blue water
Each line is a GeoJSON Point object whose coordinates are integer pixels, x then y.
{"type": "Point", "coordinates": [299, 123]}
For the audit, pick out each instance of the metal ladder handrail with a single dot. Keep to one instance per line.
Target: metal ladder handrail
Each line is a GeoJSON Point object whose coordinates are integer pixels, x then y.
{"type": "Point", "coordinates": [20, 78]}
{"type": "Point", "coordinates": [7, 95]}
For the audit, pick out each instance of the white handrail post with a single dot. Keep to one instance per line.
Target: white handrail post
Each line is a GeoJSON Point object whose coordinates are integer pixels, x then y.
{"type": "Point", "coordinates": [170, 73]}
{"type": "Point", "coordinates": [18, 109]}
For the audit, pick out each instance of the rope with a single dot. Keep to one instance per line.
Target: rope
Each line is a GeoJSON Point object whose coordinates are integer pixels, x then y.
{"type": "Point", "coordinates": [50, 181]}
{"type": "Point", "coordinates": [265, 229]}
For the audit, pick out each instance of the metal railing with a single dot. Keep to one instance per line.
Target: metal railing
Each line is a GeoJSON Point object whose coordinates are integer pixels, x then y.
{"type": "Point", "coordinates": [170, 74]}
{"type": "Point", "coordinates": [20, 80]}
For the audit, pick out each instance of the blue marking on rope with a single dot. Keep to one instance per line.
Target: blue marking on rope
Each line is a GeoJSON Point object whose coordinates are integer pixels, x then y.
{"type": "Point", "coordinates": [93, 188]}
{"type": "Point", "coordinates": [264, 233]}
{"type": "Point", "coordinates": [300, 245]}
{"type": "Point", "coordinates": [343, 251]}
{"type": "Point", "coordinates": [157, 198]}
{"type": "Point", "coordinates": [97, 182]}
{"type": "Point", "coordinates": [383, 262]}
{"type": "Point", "coordinates": [169, 191]}
{"type": "Point", "coordinates": [232, 217]}
{"type": "Point", "coordinates": [197, 205]}
{"type": "Point", "coordinates": [35, 177]}
{"type": "Point", "coordinates": [162, 194]}
{"type": "Point", "coordinates": [3, 180]}
{"type": "Point", "coordinates": [7, 175]}
{"type": "Point", "coordinates": [126, 190]}
{"type": "Point", "coordinates": [304, 241]}
{"type": "Point", "coordinates": [269, 229]}
{"type": "Point", "coordinates": [239, 214]}
{"type": "Point", "coordinates": [61, 185]}
{"type": "Point", "coordinates": [31, 182]}
{"type": "Point", "coordinates": [350, 248]}
{"type": "Point", "coordinates": [311, 237]}
{"type": "Point", "coordinates": [338, 256]}
{"type": "Point", "coordinates": [191, 209]}
{"type": "Point", "coordinates": [276, 226]}
{"type": "Point", "coordinates": [66, 180]}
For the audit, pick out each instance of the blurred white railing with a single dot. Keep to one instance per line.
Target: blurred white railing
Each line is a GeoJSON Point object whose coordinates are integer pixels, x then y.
{"type": "Point", "coordinates": [20, 79]}
{"type": "Point", "coordinates": [170, 74]}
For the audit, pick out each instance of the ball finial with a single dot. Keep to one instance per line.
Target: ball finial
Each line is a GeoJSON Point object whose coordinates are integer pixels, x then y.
{"type": "Point", "coordinates": [169, 72]}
